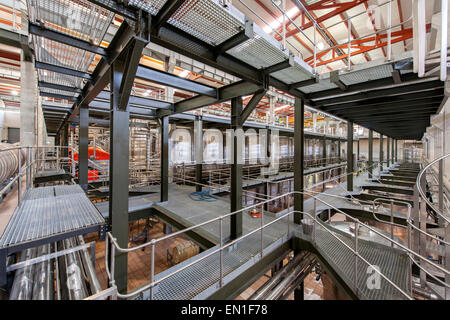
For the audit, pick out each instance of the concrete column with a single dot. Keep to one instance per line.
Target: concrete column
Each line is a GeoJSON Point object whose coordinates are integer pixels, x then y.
{"type": "Point", "coordinates": [299, 144]}
{"type": "Point", "coordinates": [198, 149]}
{"type": "Point", "coordinates": [28, 104]}
{"type": "Point", "coordinates": [349, 156]}
{"type": "Point", "coordinates": [314, 116]}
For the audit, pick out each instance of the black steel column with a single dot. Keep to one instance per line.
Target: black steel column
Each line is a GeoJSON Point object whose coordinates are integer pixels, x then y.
{"type": "Point", "coordinates": [299, 150]}
{"type": "Point", "coordinates": [236, 170]}
{"type": "Point", "coordinates": [118, 172]}
{"type": "Point", "coordinates": [370, 153]}
{"type": "Point", "coordinates": [388, 156]}
{"type": "Point", "coordinates": [299, 293]}
{"type": "Point", "coordinates": [381, 155]}
{"type": "Point", "coordinates": [357, 153]}
{"type": "Point", "coordinates": [83, 141]}
{"type": "Point", "coordinates": [349, 156]}
{"type": "Point", "coordinates": [65, 150]}
{"type": "Point", "coordinates": [324, 151]}
{"type": "Point", "coordinates": [198, 149]}
{"type": "Point", "coordinates": [164, 159]}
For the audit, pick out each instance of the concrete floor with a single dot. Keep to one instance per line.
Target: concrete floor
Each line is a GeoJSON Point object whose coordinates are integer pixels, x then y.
{"type": "Point", "coordinates": [8, 205]}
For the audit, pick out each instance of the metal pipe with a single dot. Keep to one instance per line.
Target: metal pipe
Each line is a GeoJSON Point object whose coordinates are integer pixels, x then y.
{"type": "Point", "coordinates": [42, 285]}
{"type": "Point", "coordinates": [301, 268]}
{"type": "Point", "coordinates": [22, 288]}
{"type": "Point", "coordinates": [94, 284]}
{"type": "Point", "coordinates": [270, 284]}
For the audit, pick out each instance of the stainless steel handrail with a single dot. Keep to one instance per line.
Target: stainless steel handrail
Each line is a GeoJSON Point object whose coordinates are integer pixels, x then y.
{"type": "Point", "coordinates": [422, 193]}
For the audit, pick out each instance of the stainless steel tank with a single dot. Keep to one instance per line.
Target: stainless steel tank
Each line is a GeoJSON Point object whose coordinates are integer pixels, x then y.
{"type": "Point", "coordinates": [9, 161]}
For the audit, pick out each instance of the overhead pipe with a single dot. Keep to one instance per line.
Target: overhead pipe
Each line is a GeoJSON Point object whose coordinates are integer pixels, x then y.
{"type": "Point", "coordinates": [270, 284]}
{"type": "Point", "coordinates": [300, 270]}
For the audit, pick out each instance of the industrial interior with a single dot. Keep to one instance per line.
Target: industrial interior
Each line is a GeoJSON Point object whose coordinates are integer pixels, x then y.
{"type": "Point", "coordinates": [224, 149]}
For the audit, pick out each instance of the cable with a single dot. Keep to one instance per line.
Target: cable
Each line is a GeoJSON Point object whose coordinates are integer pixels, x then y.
{"type": "Point", "coordinates": [202, 196]}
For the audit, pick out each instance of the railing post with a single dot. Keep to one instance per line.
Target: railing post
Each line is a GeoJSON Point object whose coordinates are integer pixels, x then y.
{"type": "Point", "coordinates": [409, 279]}
{"type": "Point", "coordinates": [313, 236]}
{"type": "Point", "coordinates": [221, 251]}
{"type": "Point", "coordinates": [113, 263]}
{"type": "Point", "coordinates": [262, 231]}
{"type": "Point", "coordinates": [152, 269]}
{"type": "Point", "coordinates": [356, 256]}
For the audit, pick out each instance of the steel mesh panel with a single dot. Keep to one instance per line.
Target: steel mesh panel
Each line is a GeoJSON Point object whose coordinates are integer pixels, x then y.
{"type": "Point", "coordinates": [44, 217]}
{"type": "Point", "coordinates": [292, 74]}
{"type": "Point", "coordinates": [60, 92]}
{"type": "Point", "coordinates": [206, 20]}
{"type": "Point", "coordinates": [374, 73]}
{"type": "Point", "coordinates": [258, 53]}
{"type": "Point", "coordinates": [324, 84]}
{"type": "Point", "coordinates": [152, 6]}
{"type": "Point", "coordinates": [38, 193]}
{"type": "Point", "coordinates": [63, 55]}
{"type": "Point", "coordinates": [58, 78]}
{"type": "Point", "coordinates": [80, 18]}
{"type": "Point", "coordinates": [66, 190]}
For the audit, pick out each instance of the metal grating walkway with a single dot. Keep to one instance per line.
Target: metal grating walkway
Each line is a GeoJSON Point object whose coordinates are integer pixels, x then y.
{"type": "Point", "coordinates": [50, 211]}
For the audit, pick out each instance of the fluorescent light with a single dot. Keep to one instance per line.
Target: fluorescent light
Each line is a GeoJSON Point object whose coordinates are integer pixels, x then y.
{"type": "Point", "coordinates": [146, 93]}
{"type": "Point", "coordinates": [14, 92]}
{"type": "Point", "coordinates": [276, 23]}
{"type": "Point", "coordinates": [184, 74]}
{"type": "Point", "coordinates": [320, 46]}
{"type": "Point", "coordinates": [282, 107]}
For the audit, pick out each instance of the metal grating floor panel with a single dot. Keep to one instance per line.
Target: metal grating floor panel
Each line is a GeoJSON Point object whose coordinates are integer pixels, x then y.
{"type": "Point", "coordinates": [43, 216]}
{"type": "Point", "coordinates": [39, 193]}
{"type": "Point", "coordinates": [67, 190]}
{"type": "Point", "coordinates": [393, 263]}
{"type": "Point", "coordinates": [207, 20]}
{"type": "Point", "coordinates": [152, 6]}
{"type": "Point", "coordinates": [61, 79]}
{"type": "Point", "coordinates": [258, 53]}
{"type": "Point", "coordinates": [80, 19]}
{"type": "Point", "coordinates": [56, 53]}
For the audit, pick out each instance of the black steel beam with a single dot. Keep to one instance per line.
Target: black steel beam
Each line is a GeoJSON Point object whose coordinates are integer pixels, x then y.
{"type": "Point", "coordinates": [42, 84]}
{"type": "Point", "coordinates": [54, 108]}
{"type": "Point", "coordinates": [299, 141]}
{"type": "Point", "coordinates": [365, 86]}
{"type": "Point", "coordinates": [237, 39]}
{"type": "Point", "coordinates": [171, 80]}
{"type": "Point", "coordinates": [225, 93]}
{"type": "Point", "coordinates": [251, 105]}
{"type": "Point", "coordinates": [60, 37]}
{"type": "Point", "coordinates": [279, 66]}
{"type": "Point", "coordinates": [62, 70]}
{"type": "Point", "coordinates": [57, 96]}
{"type": "Point", "coordinates": [402, 98]}
{"type": "Point", "coordinates": [139, 101]}
{"type": "Point", "coordinates": [303, 83]}
{"type": "Point", "coordinates": [236, 220]}
{"type": "Point", "coordinates": [164, 14]}
{"type": "Point", "coordinates": [423, 87]}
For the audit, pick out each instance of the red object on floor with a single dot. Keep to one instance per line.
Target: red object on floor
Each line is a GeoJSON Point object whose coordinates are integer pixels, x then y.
{"type": "Point", "coordinates": [255, 214]}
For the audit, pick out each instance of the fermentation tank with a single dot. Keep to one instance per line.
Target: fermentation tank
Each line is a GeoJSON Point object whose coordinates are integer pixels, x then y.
{"type": "Point", "coordinates": [9, 161]}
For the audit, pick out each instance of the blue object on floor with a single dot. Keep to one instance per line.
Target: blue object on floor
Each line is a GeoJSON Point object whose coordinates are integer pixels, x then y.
{"type": "Point", "coordinates": [202, 196]}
